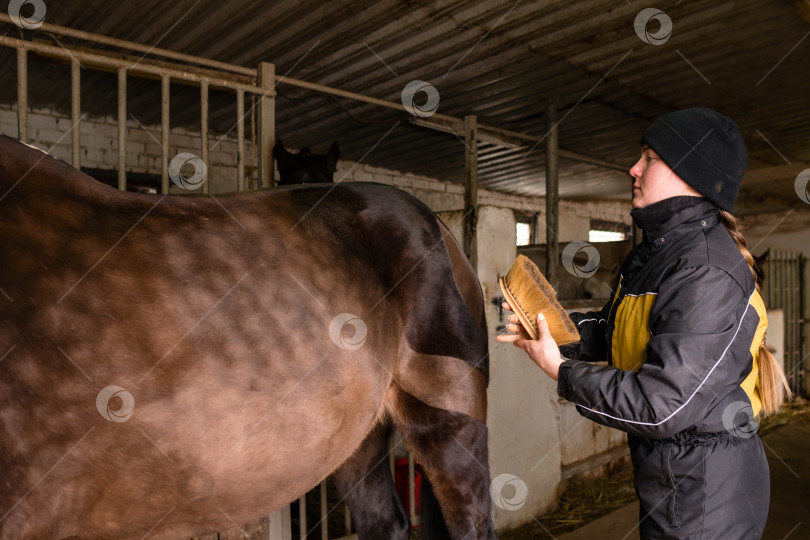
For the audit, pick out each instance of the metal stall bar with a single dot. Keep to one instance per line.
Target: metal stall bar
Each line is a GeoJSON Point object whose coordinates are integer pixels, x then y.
{"type": "Point", "coordinates": [471, 189]}
{"type": "Point", "coordinates": [240, 140]}
{"type": "Point", "coordinates": [75, 112]}
{"type": "Point", "coordinates": [411, 487]}
{"type": "Point", "coordinates": [22, 93]}
{"type": "Point", "coordinates": [302, 517]}
{"type": "Point", "coordinates": [324, 521]}
{"type": "Point", "coordinates": [803, 321]}
{"type": "Point", "coordinates": [204, 143]}
{"type": "Point", "coordinates": [266, 80]}
{"type": "Point", "coordinates": [795, 317]}
{"type": "Point", "coordinates": [788, 314]}
{"type": "Point", "coordinates": [164, 133]}
{"type": "Point", "coordinates": [552, 195]}
{"type": "Point", "coordinates": [781, 288]}
{"type": "Point", "coordinates": [122, 128]}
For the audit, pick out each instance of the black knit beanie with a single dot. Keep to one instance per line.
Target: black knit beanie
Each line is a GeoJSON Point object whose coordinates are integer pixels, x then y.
{"type": "Point", "coordinates": [705, 149]}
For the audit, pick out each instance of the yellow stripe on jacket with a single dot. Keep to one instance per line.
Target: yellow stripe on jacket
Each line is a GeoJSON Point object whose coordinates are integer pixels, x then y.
{"type": "Point", "coordinates": [632, 331]}
{"type": "Point", "coordinates": [750, 384]}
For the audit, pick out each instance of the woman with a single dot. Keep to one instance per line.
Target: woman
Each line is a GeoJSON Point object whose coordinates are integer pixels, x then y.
{"type": "Point", "coordinates": [684, 334]}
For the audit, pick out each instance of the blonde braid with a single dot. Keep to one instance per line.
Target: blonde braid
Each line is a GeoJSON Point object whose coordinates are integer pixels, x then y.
{"type": "Point", "coordinates": [773, 385]}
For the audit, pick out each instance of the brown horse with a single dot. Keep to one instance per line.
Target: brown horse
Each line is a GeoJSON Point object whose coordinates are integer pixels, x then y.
{"type": "Point", "coordinates": [176, 365]}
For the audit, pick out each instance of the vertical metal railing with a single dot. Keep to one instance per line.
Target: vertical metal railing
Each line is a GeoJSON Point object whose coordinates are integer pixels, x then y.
{"type": "Point", "coordinates": [782, 287]}
{"type": "Point", "coordinates": [204, 128]}
{"type": "Point", "coordinates": [165, 95]}
{"type": "Point", "coordinates": [122, 128]}
{"type": "Point", "coordinates": [240, 140]}
{"type": "Point", "coordinates": [22, 94]}
{"type": "Point", "coordinates": [304, 530]}
{"type": "Point", "coordinates": [263, 87]}
{"type": "Point", "coordinates": [75, 112]}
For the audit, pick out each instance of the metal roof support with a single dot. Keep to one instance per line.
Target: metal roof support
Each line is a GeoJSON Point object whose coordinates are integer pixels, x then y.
{"type": "Point", "coordinates": [471, 188]}
{"type": "Point", "coordinates": [552, 194]}
{"type": "Point", "coordinates": [164, 133]}
{"type": "Point", "coordinates": [22, 94]}
{"type": "Point", "coordinates": [267, 122]}
{"type": "Point", "coordinates": [240, 140]}
{"type": "Point", "coordinates": [122, 128]}
{"type": "Point", "coordinates": [204, 143]}
{"type": "Point", "coordinates": [76, 111]}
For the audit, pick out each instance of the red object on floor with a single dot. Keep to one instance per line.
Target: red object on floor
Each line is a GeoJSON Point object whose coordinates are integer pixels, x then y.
{"type": "Point", "coordinates": [401, 483]}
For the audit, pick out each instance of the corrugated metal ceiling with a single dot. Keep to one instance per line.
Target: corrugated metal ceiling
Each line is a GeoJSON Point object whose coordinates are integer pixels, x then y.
{"type": "Point", "coordinates": [749, 59]}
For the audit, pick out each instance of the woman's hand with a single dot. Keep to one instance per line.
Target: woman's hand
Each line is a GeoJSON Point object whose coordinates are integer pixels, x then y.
{"type": "Point", "coordinates": [544, 351]}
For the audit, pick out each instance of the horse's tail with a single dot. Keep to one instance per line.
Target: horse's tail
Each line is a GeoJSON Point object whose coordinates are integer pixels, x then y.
{"type": "Point", "coordinates": [432, 522]}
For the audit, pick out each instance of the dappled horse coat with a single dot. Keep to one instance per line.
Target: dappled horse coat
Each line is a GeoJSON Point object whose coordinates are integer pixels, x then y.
{"type": "Point", "coordinates": [173, 366]}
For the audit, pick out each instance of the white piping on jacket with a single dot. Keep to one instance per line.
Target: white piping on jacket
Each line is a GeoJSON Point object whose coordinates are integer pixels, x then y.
{"type": "Point", "coordinates": [587, 320]}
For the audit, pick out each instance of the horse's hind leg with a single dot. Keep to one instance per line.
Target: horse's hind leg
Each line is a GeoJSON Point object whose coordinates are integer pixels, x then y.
{"type": "Point", "coordinates": [452, 449]}
{"type": "Point", "coordinates": [364, 482]}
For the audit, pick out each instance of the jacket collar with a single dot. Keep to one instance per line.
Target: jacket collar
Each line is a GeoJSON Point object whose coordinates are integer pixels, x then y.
{"type": "Point", "coordinates": [659, 219]}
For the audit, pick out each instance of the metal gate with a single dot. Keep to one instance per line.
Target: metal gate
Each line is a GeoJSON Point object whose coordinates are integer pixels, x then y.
{"type": "Point", "coordinates": [782, 289]}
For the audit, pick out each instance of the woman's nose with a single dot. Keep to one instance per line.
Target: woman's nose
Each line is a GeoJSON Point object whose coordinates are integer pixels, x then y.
{"type": "Point", "coordinates": [637, 169]}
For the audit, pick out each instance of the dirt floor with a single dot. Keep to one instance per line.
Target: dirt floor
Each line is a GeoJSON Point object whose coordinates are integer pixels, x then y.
{"type": "Point", "coordinates": [786, 438]}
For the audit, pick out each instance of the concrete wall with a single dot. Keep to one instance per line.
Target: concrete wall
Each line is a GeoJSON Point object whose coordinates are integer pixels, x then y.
{"type": "Point", "coordinates": [534, 436]}
{"type": "Point", "coordinates": [524, 438]}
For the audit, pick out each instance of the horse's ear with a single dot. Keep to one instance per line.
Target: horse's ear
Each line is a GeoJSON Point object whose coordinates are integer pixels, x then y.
{"type": "Point", "coordinates": [279, 152]}
{"type": "Point", "coordinates": [333, 156]}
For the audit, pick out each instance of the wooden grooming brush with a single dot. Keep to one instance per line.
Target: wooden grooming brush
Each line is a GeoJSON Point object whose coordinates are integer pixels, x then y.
{"type": "Point", "coordinates": [528, 294]}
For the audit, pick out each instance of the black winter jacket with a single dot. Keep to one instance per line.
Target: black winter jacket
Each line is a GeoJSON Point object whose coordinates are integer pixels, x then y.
{"type": "Point", "coordinates": [684, 327]}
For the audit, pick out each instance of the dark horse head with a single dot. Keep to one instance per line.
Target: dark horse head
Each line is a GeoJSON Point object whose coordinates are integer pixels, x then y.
{"type": "Point", "coordinates": [305, 167]}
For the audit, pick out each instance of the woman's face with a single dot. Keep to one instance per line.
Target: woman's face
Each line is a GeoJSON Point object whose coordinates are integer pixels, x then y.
{"type": "Point", "coordinates": [654, 181]}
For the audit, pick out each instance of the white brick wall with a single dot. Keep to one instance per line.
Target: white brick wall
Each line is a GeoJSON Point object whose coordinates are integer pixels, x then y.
{"type": "Point", "coordinates": [50, 131]}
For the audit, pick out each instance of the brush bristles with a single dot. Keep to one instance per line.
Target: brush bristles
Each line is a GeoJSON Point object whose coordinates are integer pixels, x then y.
{"type": "Point", "coordinates": [529, 294]}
